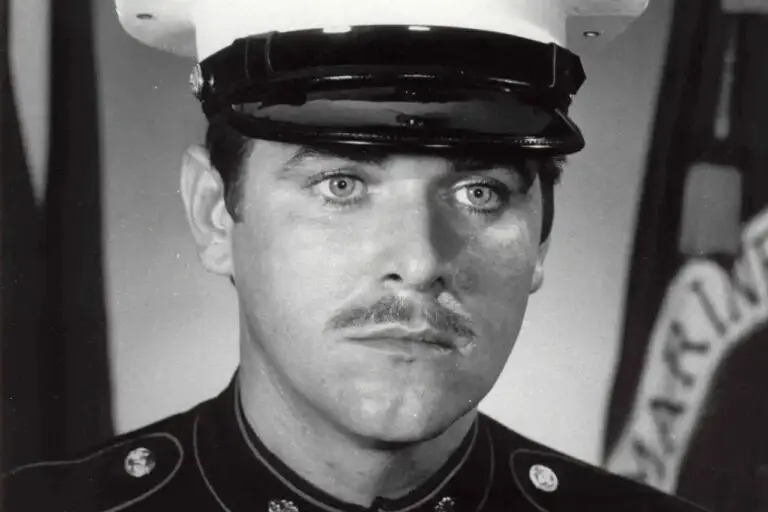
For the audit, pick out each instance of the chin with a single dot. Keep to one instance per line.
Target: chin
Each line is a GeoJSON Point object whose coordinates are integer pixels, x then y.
{"type": "Point", "coordinates": [407, 419]}
{"type": "Point", "coordinates": [400, 434]}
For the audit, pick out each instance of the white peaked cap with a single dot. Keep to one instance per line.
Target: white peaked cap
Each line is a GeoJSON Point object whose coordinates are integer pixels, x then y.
{"type": "Point", "coordinates": [199, 28]}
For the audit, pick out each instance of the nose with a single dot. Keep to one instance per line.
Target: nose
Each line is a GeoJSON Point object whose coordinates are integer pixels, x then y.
{"type": "Point", "coordinates": [419, 251]}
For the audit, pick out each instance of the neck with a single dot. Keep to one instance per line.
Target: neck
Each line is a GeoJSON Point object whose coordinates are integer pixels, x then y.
{"type": "Point", "coordinates": [350, 468]}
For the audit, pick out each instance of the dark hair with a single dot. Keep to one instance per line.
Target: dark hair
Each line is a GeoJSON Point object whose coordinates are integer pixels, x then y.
{"type": "Point", "coordinates": [228, 149]}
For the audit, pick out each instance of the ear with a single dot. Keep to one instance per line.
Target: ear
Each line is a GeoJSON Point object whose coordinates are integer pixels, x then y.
{"type": "Point", "coordinates": [203, 193]}
{"type": "Point", "coordinates": [538, 271]}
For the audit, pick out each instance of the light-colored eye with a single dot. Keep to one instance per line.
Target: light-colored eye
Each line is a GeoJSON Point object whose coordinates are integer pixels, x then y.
{"type": "Point", "coordinates": [478, 196]}
{"type": "Point", "coordinates": [341, 187]}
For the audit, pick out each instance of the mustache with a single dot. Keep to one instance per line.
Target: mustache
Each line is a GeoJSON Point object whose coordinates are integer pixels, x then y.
{"type": "Point", "coordinates": [389, 310]}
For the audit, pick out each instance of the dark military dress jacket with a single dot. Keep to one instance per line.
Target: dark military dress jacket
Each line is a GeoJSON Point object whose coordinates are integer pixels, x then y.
{"type": "Point", "coordinates": [208, 459]}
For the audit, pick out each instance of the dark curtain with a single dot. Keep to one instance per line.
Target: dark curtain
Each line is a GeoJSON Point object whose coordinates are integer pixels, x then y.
{"type": "Point", "coordinates": [56, 388]}
{"type": "Point", "coordinates": [711, 124]}
{"type": "Point", "coordinates": [21, 383]}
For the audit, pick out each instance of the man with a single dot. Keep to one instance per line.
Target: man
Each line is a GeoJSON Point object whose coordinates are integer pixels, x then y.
{"type": "Point", "coordinates": [377, 183]}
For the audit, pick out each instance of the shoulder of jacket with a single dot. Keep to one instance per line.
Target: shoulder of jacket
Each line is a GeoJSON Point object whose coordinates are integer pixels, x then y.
{"type": "Point", "coordinates": [552, 481]}
{"type": "Point", "coordinates": [120, 473]}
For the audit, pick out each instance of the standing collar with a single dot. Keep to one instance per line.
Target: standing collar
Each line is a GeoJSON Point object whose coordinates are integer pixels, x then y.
{"type": "Point", "coordinates": [243, 474]}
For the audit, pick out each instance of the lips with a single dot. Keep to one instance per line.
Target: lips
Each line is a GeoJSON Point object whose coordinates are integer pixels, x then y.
{"type": "Point", "coordinates": [421, 336]}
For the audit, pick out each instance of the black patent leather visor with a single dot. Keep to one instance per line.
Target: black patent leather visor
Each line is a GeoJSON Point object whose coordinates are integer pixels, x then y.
{"type": "Point", "coordinates": [391, 86]}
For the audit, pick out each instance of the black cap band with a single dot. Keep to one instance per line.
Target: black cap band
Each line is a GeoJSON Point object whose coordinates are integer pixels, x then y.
{"type": "Point", "coordinates": [399, 86]}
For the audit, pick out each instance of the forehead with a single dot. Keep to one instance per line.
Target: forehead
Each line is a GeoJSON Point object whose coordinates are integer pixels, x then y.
{"type": "Point", "coordinates": [282, 156]}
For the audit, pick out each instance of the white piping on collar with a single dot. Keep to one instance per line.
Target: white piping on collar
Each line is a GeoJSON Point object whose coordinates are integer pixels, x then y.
{"type": "Point", "coordinates": [200, 467]}
{"type": "Point", "coordinates": [491, 470]}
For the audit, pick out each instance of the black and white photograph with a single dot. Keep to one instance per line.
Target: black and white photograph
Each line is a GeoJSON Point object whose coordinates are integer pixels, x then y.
{"type": "Point", "coordinates": [384, 255]}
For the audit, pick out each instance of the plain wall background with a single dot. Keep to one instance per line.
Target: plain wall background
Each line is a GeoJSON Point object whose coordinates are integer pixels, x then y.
{"type": "Point", "coordinates": [174, 328]}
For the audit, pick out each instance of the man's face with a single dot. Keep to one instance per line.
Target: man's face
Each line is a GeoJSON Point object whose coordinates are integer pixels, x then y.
{"type": "Point", "coordinates": [385, 291]}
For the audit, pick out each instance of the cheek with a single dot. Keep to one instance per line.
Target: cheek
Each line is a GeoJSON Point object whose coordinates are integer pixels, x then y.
{"type": "Point", "coordinates": [305, 264]}
{"type": "Point", "coordinates": [496, 277]}
{"type": "Point", "coordinates": [291, 279]}
{"type": "Point", "coordinates": [499, 261]}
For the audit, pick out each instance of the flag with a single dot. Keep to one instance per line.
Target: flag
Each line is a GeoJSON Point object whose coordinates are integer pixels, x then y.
{"type": "Point", "coordinates": [55, 378]}
{"type": "Point", "coordinates": [688, 412]}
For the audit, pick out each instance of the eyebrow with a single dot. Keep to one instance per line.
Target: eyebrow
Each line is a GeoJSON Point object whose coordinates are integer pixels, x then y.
{"type": "Point", "coordinates": [470, 164]}
{"type": "Point", "coordinates": [376, 155]}
{"type": "Point", "coordinates": [358, 154]}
